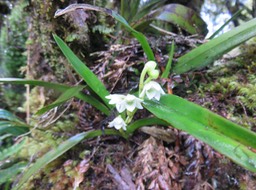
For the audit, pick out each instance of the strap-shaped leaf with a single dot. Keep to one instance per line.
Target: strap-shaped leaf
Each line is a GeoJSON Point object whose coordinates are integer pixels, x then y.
{"type": "Point", "coordinates": [61, 88]}
{"type": "Point", "coordinates": [5, 153]}
{"type": "Point", "coordinates": [8, 174]}
{"type": "Point", "coordinates": [61, 149]}
{"type": "Point", "coordinates": [6, 115]}
{"type": "Point", "coordinates": [224, 136]}
{"type": "Point", "coordinates": [212, 50]}
{"type": "Point", "coordinates": [89, 77]}
{"type": "Point", "coordinates": [13, 128]}
{"type": "Point", "coordinates": [68, 94]}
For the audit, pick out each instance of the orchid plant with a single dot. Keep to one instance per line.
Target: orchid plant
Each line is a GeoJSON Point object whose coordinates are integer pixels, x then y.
{"type": "Point", "coordinates": [230, 139]}
{"type": "Point", "coordinates": [131, 103]}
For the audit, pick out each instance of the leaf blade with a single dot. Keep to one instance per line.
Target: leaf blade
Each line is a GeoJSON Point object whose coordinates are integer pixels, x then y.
{"type": "Point", "coordinates": [61, 149]}
{"type": "Point", "coordinates": [89, 77]}
{"type": "Point", "coordinates": [236, 151]}
{"type": "Point", "coordinates": [205, 54]}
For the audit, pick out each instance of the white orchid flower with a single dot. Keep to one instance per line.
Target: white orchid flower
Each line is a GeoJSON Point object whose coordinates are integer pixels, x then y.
{"type": "Point", "coordinates": [129, 102]}
{"type": "Point", "coordinates": [153, 90]}
{"type": "Point", "coordinates": [118, 123]}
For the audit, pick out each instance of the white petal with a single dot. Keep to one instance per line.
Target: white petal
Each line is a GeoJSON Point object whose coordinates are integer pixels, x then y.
{"type": "Point", "coordinates": [121, 107]}
{"type": "Point", "coordinates": [138, 105]}
{"type": "Point", "coordinates": [150, 94]}
{"type": "Point", "coordinates": [152, 90]}
{"type": "Point", "coordinates": [118, 123]}
{"type": "Point", "coordinates": [130, 107]}
{"type": "Point", "coordinates": [115, 98]}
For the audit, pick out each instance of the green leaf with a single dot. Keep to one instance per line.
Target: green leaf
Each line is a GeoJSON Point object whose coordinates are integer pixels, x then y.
{"type": "Point", "coordinates": [226, 23]}
{"type": "Point", "coordinates": [129, 9]}
{"type": "Point", "coordinates": [51, 85]}
{"type": "Point", "coordinates": [139, 36]}
{"type": "Point", "coordinates": [169, 63]}
{"type": "Point", "coordinates": [13, 128]}
{"type": "Point", "coordinates": [184, 17]}
{"type": "Point", "coordinates": [10, 173]}
{"type": "Point", "coordinates": [64, 97]}
{"type": "Point", "coordinates": [177, 15]}
{"type": "Point", "coordinates": [144, 122]}
{"type": "Point", "coordinates": [61, 88]}
{"type": "Point", "coordinates": [6, 115]}
{"type": "Point", "coordinates": [11, 150]}
{"type": "Point", "coordinates": [60, 150]}
{"type": "Point", "coordinates": [226, 137]}
{"type": "Point", "coordinates": [89, 77]}
{"type": "Point", "coordinates": [212, 50]}
{"type": "Point", "coordinates": [146, 8]}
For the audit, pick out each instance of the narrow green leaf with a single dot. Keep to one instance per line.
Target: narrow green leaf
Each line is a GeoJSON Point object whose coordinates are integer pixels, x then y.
{"type": "Point", "coordinates": [89, 77]}
{"type": "Point", "coordinates": [225, 144]}
{"type": "Point", "coordinates": [169, 63]}
{"type": "Point", "coordinates": [11, 150]}
{"type": "Point", "coordinates": [139, 36]}
{"type": "Point", "coordinates": [13, 128]}
{"type": "Point", "coordinates": [10, 173]}
{"type": "Point", "coordinates": [64, 97]}
{"type": "Point", "coordinates": [51, 85]}
{"type": "Point", "coordinates": [6, 115]}
{"type": "Point", "coordinates": [61, 88]}
{"type": "Point", "coordinates": [226, 23]}
{"type": "Point", "coordinates": [94, 102]}
{"type": "Point", "coordinates": [210, 119]}
{"type": "Point", "coordinates": [60, 150]}
{"type": "Point", "coordinates": [144, 122]}
{"type": "Point", "coordinates": [212, 50]}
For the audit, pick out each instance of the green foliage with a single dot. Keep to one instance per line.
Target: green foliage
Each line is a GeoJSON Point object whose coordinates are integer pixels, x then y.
{"type": "Point", "coordinates": [226, 137]}
{"type": "Point", "coordinates": [10, 125]}
{"type": "Point", "coordinates": [93, 82]}
{"type": "Point", "coordinates": [55, 153]}
{"type": "Point", "coordinates": [212, 50]}
{"type": "Point", "coordinates": [13, 37]}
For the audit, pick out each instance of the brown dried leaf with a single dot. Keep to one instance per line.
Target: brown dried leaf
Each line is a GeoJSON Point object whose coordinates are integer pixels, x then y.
{"type": "Point", "coordinates": [82, 167]}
